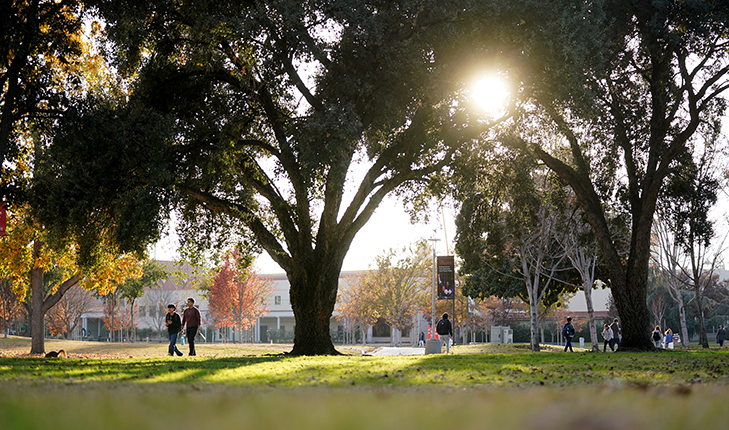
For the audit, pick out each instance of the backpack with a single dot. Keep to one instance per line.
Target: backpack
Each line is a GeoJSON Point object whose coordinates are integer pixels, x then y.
{"type": "Point", "coordinates": [656, 336]}
{"type": "Point", "coordinates": [440, 328]}
{"type": "Point", "coordinates": [566, 330]}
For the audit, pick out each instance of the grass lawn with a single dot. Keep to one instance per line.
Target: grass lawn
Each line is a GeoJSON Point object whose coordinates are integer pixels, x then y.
{"type": "Point", "coordinates": [119, 386]}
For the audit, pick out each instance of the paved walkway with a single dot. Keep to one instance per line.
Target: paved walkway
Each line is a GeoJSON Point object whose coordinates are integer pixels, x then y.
{"type": "Point", "coordinates": [392, 350]}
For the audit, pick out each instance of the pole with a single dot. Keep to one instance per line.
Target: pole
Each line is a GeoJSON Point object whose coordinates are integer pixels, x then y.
{"type": "Point", "coordinates": [432, 345]}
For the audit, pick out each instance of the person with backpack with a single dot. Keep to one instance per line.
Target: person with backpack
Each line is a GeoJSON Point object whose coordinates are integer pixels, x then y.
{"type": "Point", "coordinates": [657, 336]}
{"type": "Point", "coordinates": [445, 331]}
{"type": "Point", "coordinates": [568, 331]}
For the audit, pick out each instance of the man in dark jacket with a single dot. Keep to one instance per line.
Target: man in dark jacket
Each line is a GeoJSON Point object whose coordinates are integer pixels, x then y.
{"type": "Point", "coordinates": [616, 333]}
{"type": "Point", "coordinates": [445, 331]}
{"type": "Point", "coordinates": [721, 335]}
{"type": "Point", "coordinates": [174, 325]}
{"type": "Point", "coordinates": [192, 319]}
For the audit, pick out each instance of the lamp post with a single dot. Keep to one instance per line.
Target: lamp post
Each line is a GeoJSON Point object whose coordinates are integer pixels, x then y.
{"type": "Point", "coordinates": [432, 345]}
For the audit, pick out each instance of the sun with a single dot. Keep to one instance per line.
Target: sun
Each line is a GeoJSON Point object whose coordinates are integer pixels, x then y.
{"type": "Point", "coordinates": [491, 94]}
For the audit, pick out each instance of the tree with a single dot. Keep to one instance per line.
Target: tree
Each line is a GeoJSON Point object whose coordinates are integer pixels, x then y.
{"type": "Point", "coordinates": [274, 110]}
{"type": "Point", "coordinates": [397, 283]}
{"type": "Point", "coordinates": [666, 255]}
{"type": "Point", "coordinates": [689, 196]}
{"type": "Point", "coordinates": [63, 318]}
{"type": "Point", "coordinates": [238, 296]}
{"type": "Point", "coordinates": [114, 316]}
{"type": "Point", "coordinates": [357, 305]}
{"type": "Point", "coordinates": [134, 288]}
{"type": "Point", "coordinates": [43, 274]}
{"type": "Point", "coordinates": [583, 254]}
{"type": "Point", "coordinates": [38, 41]}
{"type": "Point", "coordinates": [12, 305]}
{"type": "Point", "coordinates": [507, 235]}
{"type": "Point", "coordinates": [625, 86]}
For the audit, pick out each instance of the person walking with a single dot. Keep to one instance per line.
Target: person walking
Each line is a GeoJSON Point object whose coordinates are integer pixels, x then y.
{"type": "Point", "coordinates": [421, 339]}
{"type": "Point", "coordinates": [607, 334]}
{"type": "Point", "coordinates": [615, 327]}
{"type": "Point", "coordinates": [445, 331]}
{"type": "Point", "coordinates": [721, 336]}
{"type": "Point", "coordinates": [657, 336]}
{"type": "Point", "coordinates": [192, 319]}
{"type": "Point", "coordinates": [568, 331]}
{"type": "Point", "coordinates": [174, 326]}
{"type": "Point", "coordinates": [668, 340]}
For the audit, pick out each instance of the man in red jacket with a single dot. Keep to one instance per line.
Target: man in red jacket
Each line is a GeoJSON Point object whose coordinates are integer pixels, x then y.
{"type": "Point", "coordinates": [191, 318]}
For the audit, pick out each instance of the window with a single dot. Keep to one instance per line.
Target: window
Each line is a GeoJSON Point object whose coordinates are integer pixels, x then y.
{"type": "Point", "coordinates": [277, 300]}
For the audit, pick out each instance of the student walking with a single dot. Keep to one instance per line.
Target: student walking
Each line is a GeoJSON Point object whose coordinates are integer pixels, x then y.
{"type": "Point", "coordinates": [668, 340]}
{"type": "Point", "coordinates": [607, 334]}
{"type": "Point", "coordinates": [721, 336]}
{"type": "Point", "coordinates": [568, 331]}
{"type": "Point", "coordinates": [615, 327]}
{"type": "Point", "coordinates": [657, 336]}
{"type": "Point", "coordinates": [191, 318]}
{"type": "Point", "coordinates": [174, 326]}
{"type": "Point", "coordinates": [445, 331]}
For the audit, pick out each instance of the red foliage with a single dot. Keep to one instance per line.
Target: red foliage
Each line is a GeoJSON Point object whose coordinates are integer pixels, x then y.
{"type": "Point", "coordinates": [238, 296]}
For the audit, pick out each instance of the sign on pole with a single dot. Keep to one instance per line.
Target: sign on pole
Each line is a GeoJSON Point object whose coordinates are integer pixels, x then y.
{"type": "Point", "coordinates": [446, 278]}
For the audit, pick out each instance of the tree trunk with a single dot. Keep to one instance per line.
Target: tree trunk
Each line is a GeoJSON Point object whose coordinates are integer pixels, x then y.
{"type": "Point", "coordinates": [313, 296]}
{"type": "Point", "coordinates": [131, 328]}
{"type": "Point", "coordinates": [37, 327]}
{"type": "Point", "coordinates": [703, 340]}
{"type": "Point", "coordinates": [591, 316]}
{"type": "Point", "coordinates": [533, 322]}
{"type": "Point", "coordinates": [684, 327]}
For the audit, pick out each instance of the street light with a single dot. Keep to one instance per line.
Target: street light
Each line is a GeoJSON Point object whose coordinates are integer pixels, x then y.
{"type": "Point", "coordinates": [432, 345]}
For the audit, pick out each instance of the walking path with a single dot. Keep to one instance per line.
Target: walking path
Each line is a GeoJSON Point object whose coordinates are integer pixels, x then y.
{"type": "Point", "coordinates": [392, 350]}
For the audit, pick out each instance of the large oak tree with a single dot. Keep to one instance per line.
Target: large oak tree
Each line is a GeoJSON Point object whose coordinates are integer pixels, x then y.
{"type": "Point", "coordinates": [282, 124]}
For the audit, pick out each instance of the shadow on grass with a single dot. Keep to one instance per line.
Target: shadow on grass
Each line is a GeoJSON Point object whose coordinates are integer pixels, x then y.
{"type": "Point", "coordinates": [467, 370]}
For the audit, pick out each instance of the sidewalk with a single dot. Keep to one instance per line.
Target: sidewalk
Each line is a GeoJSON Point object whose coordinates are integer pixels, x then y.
{"type": "Point", "coordinates": [392, 350]}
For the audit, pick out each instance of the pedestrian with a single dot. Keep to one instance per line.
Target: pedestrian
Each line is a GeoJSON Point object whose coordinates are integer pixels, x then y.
{"type": "Point", "coordinates": [421, 339]}
{"type": "Point", "coordinates": [657, 336]}
{"type": "Point", "coordinates": [191, 318]}
{"type": "Point", "coordinates": [607, 334]}
{"type": "Point", "coordinates": [174, 326]}
{"type": "Point", "coordinates": [721, 336]}
{"type": "Point", "coordinates": [668, 341]}
{"type": "Point", "coordinates": [568, 331]}
{"type": "Point", "coordinates": [615, 327]}
{"type": "Point", "coordinates": [445, 331]}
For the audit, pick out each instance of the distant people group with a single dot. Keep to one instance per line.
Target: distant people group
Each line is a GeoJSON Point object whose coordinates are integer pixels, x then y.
{"type": "Point", "coordinates": [191, 320]}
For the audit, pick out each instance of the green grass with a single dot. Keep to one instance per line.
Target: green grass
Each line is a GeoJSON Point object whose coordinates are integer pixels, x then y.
{"type": "Point", "coordinates": [234, 386]}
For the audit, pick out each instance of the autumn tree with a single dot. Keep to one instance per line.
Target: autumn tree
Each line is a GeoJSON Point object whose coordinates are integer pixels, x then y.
{"type": "Point", "coordinates": [238, 296]}
{"type": "Point", "coordinates": [43, 274]}
{"type": "Point", "coordinates": [12, 305]}
{"type": "Point", "coordinates": [357, 305]}
{"type": "Point", "coordinates": [397, 282]}
{"type": "Point", "coordinates": [63, 318]}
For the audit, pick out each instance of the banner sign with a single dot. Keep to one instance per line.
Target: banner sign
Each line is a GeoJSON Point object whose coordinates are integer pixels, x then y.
{"type": "Point", "coordinates": [3, 218]}
{"type": "Point", "coordinates": [446, 278]}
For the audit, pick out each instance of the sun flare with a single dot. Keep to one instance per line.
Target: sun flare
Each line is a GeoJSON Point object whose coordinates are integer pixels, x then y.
{"type": "Point", "coordinates": [491, 94]}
